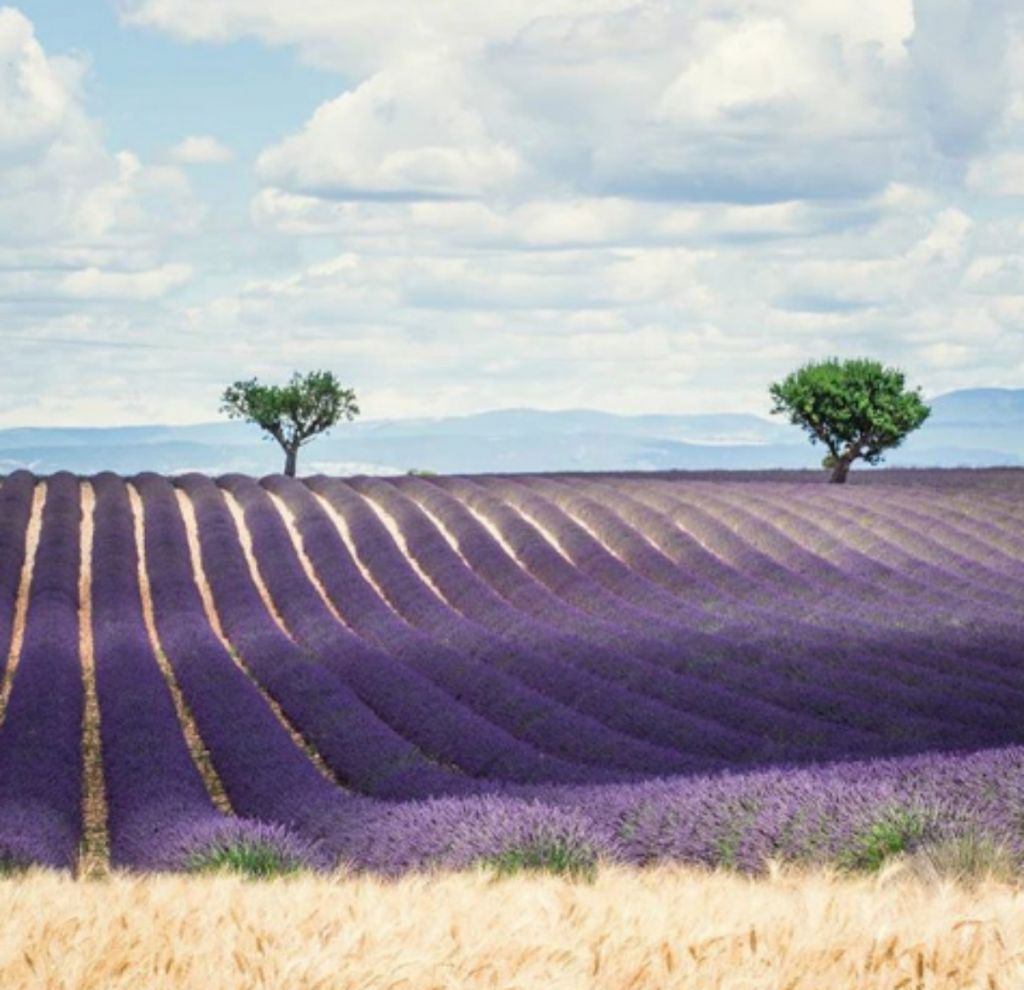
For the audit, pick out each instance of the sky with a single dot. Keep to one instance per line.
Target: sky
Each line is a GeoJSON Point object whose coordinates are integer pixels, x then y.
{"type": "Point", "coordinates": [654, 206]}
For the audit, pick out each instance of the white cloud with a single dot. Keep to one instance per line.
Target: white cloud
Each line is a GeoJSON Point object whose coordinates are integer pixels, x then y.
{"type": "Point", "coordinates": [719, 100]}
{"type": "Point", "coordinates": [960, 74]}
{"type": "Point", "coordinates": [628, 204]}
{"type": "Point", "coordinates": [93, 283]}
{"type": "Point", "coordinates": [66, 201]}
{"type": "Point", "coordinates": [200, 149]}
{"type": "Point", "coordinates": [37, 93]}
{"type": "Point", "coordinates": [1001, 174]}
{"type": "Point", "coordinates": [636, 328]}
{"type": "Point", "coordinates": [746, 68]}
{"type": "Point", "coordinates": [359, 36]}
{"type": "Point", "coordinates": [407, 132]}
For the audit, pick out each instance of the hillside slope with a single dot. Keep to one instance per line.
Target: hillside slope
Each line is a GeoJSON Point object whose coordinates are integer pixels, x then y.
{"type": "Point", "coordinates": [638, 666]}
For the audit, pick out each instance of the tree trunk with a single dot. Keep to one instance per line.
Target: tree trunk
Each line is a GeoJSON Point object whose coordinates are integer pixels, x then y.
{"type": "Point", "coordinates": [290, 456]}
{"type": "Point", "coordinates": [840, 470]}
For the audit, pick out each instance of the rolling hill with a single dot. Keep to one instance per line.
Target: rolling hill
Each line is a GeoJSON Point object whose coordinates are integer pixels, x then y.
{"type": "Point", "coordinates": [979, 427]}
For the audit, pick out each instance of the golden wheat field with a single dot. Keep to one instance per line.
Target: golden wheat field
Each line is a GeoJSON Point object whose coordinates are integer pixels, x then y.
{"type": "Point", "coordinates": [663, 927]}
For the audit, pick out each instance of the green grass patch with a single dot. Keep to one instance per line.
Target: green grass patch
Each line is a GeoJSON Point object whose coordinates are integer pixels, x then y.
{"type": "Point", "coordinates": [896, 832]}
{"type": "Point", "coordinates": [557, 856]}
{"type": "Point", "coordinates": [256, 860]}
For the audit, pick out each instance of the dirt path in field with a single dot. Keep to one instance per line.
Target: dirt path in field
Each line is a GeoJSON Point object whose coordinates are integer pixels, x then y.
{"type": "Point", "coordinates": [94, 858]}
{"type": "Point", "coordinates": [209, 606]}
{"type": "Point", "coordinates": [197, 748]}
{"type": "Point", "coordinates": [32, 531]}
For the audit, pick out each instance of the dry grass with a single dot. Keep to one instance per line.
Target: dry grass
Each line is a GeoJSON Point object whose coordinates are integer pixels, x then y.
{"type": "Point", "coordinates": [660, 928]}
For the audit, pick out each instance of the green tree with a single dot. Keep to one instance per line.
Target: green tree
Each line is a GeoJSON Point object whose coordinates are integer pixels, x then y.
{"type": "Point", "coordinates": [856, 408]}
{"type": "Point", "coordinates": [293, 414]}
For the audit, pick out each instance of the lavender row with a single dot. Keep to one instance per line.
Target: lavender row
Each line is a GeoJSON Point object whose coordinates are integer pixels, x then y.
{"type": "Point", "coordinates": [928, 639]}
{"type": "Point", "coordinates": [159, 814]}
{"type": "Point", "coordinates": [41, 735]}
{"type": "Point", "coordinates": [851, 814]}
{"type": "Point", "coordinates": [940, 629]}
{"type": "Point", "coordinates": [529, 709]}
{"type": "Point", "coordinates": [936, 677]}
{"type": "Point", "coordinates": [704, 710]}
{"type": "Point", "coordinates": [746, 543]}
{"type": "Point", "coordinates": [994, 538]}
{"type": "Point", "coordinates": [801, 651]}
{"type": "Point", "coordinates": [826, 814]}
{"type": "Point", "coordinates": [843, 699]}
{"type": "Point", "coordinates": [413, 704]}
{"type": "Point", "coordinates": [593, 558]}
{"type": "Point", "coordinates": [507, 596]}
{"type": "Point", "coordinates": [904, 582]}
{"type": "Point", "coordinates": [939, 620]}
{"type": "Point", "coordinates": [928, 572]}
{"type": "Point", "coordinates": [590, 584]}
{"type": "Point", "coordinates": [938, 668]}
{"type": "Point", "coordinates": [939, 638]}
{"type": "Point", "coordinates": [924, 573]}
{"type": "Point", "coordinates": [670, 523]}
{"type": "Point", "coordinates": [978, 564]}
{"type": "Point", "coordinates": [599, 681]}
{"type": "Point", "coordinates": [690, 655]}
{"type": "Point", "coordinates": [464, 589]}
{"type": "Point", "coordinates": [360, 748]}
{"type": "Point", "coordinates": [15, 512]}
{"type": "Point", "coordinates": [266, 776]}
{"type": "Point", "coordinates": [566, 598]}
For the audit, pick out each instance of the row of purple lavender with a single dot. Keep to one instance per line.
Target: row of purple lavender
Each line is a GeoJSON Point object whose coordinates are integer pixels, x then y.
{"type": "Point", "coordinates": [427, 671]}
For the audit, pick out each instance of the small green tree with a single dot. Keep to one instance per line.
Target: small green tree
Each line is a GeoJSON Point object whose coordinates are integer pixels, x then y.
{"type": "Point", "coordinates": [292, 414]}
{"type": "Point", "coordinates": [856, 408]}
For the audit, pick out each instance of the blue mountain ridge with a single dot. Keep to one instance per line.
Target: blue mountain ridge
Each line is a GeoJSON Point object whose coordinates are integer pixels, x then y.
{"type": "Point", "coordinates": [967, 428]}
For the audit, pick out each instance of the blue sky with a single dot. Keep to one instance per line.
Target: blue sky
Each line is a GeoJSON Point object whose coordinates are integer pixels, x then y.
{"type": "Point", "coordinates": [631, 205]}
{"type": "Point", "coordinates": [148, 90]}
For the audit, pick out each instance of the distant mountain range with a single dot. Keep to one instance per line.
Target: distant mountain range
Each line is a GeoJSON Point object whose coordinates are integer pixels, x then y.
{"type": "Point", "coordinates": [968, 428]}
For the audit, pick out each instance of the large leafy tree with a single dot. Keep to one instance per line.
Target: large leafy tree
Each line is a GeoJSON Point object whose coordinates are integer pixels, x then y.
{"type": "Point", "coordinates": [857, 408]}
{"type": "Point", "coordinates": [293, 414]}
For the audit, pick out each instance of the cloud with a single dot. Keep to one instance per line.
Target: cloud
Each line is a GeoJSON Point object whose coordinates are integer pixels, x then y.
{"type": "Point", "coordinates": [442, 325]}
{"type": "Point", "coordinates": [358, 37]}
{"type": "Point", "coordinates": [88, 243]}
{"type": "Point", "coordinates": [1000, 174]}
{"type": "Point", "coordinates": [408, 132]}
{"type": "Point", "coordinates": [37, 94]}
{"type": "Point", "coordinates": [67, 201]}
{"type": "Point", "coordinates": [92, 283]}
{"type": "Point", "coordinates": [200, 150]}
{"type": "Point", "coordinates": [959, 71]}
{"type": "Point", "coordinates": [758, 102]}
{"type": "Point", "coordinates": [736, 101]}
{"type": "Point", "coordinates": [627, 204]}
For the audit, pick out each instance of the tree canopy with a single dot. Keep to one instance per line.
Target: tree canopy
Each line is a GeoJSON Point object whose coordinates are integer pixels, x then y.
{"type": "Point", "coordinates": [857, 408]}
{"type": "Point", "coordinates": [294, 413]}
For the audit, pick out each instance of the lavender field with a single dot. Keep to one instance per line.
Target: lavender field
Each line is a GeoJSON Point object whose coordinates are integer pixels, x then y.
{"type": "Point", "coordinates": [399, 673]}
